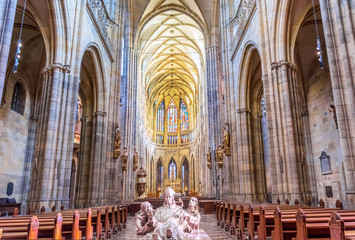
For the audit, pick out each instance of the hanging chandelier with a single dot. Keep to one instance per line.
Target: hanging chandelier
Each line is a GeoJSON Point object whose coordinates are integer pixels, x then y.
{"type": "Point", "coordinates": [319, 46]}
{"type": "Point", "coordinates": [19, 43]}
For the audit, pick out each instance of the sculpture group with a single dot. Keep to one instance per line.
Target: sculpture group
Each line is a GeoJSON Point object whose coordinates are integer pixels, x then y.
{"type": "Point", "coordinates": [170, 221]}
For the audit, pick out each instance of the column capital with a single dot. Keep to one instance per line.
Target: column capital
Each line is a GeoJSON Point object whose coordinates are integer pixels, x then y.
{"type": "Point", "coordinates": [56, 67]}
{"type": "Point", "coordinates": [283, 64]}
{"type": "Point", "coordinates": [243, 110]}
{"type": "Point", "coordinates": [99, 114]}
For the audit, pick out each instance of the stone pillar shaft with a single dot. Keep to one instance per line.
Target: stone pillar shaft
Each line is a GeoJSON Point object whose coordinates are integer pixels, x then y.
{"type": "Point", "coordinates": [338, 23]}
{"type": "Point", "coordinates": [51, 183]}
{"type": "Point", "coordinates": [213, 116]}
{"type": "Point", "coordinates": [97, 173]}
{"type": "Point", "coordinates": [287, 130]}
{"type": "Point", "coordinates": [7, 18]}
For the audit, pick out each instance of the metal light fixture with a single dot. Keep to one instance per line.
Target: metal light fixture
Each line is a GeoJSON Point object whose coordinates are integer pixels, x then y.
{"type": "Point", "coordinates": [319, 46]}
{"type": "Point", "coordinates": [19, 43]}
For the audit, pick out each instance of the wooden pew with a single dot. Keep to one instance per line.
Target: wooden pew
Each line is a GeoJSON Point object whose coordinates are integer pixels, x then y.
{"type": "Point", "coordinates": [233, 227]}
{"type": "Point", "coordinates": [218, 205]}
{"type": "Point", "coordinates": [253, 222]}
{"type": "Point", "coordinates": [223, 215]}
{"type": "Point", "coordinates": [341, 228]}
{"type": "Point", "coordinates": [318, 230]}
{"type": "Point", "coordinates": [316, 225]}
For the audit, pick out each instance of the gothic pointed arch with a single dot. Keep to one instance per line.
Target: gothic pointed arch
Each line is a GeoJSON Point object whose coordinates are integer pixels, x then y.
{"type": "Point", "coordinates": [159, 174]}
{"type": "Point", "coordinates": [172, 169]}
{"type": "Point", "coordinates": [185, 175]}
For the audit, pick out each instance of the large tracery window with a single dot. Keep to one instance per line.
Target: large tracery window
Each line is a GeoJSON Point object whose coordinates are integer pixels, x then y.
{"type": "Point", "coordinates": [184, 117]}
{"type": "Point", "coordinates": [172, 170]}
{"type": "Point", "coordinates": [172, 117]}
{"type": "Point", "coordinates": [18, 99]}
{"type": "Point", "coordinates": [168, 132]}
{"type": "Point", "coordinates": [160, 117]}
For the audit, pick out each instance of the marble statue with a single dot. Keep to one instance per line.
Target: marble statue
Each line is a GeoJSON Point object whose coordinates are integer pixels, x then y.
{"type": "Point", "coordinates": [124, 159]}
{"type": "Point", "coordinates": [169, 221]}
{"type": "Point", "coordinates": [209, 161]}
{"type": "Point", "coordinates": [192, 216]}
{"type": "Point", "coordinates": [144, 219]}
{"type": "Point", "coordinates": [135, 160]}
{"type": "Point", "coordinates": [226, 142]}
{"type": "Point", "coordinates": [117, 143]}
{"type": "Point", "coordinates": [219, 156]}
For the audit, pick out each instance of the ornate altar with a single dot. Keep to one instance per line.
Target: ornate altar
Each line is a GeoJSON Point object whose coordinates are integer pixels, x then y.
{"type": "Point", "coordinates": [174, 183]}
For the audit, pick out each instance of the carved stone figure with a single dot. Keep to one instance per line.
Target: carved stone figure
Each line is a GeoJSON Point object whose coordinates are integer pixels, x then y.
{"type": "Point", "coordinates": [209, 162]}
{"type": "Point", "coordinates": [193, 216]}
{"type": "Point", "coordinates": [117, 143]}
{"type": "Point", "coordinates": [124, 159]}
{"type": "Point", "coordinates": [226, 142]}
{"type": "Point", "coordinates": [332, 110]}
{"type": "Point", "coordinates": [169, 220]}
{"type": "Point", "coordinates": [219, 156]}
{"type": "Point", "coordinates": [144, 219]}
{"type": "Point", "coordinates": [135, 160]}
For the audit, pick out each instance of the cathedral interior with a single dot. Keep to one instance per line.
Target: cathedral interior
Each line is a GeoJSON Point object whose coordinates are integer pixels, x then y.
{"type": "Point", "coordinates": [113, 101]}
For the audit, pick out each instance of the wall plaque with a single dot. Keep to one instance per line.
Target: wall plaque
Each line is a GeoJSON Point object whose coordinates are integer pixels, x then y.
{"type": "Point", "coordinates": [325, 163]}
{"type": "Point", "coordinates": [329, 191]}
{"type": "Point", "coordinates": [10, 188]}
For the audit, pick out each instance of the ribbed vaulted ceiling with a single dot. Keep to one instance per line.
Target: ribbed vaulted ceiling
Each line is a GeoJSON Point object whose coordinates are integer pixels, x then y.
{"type": "Point", "coordinates": [172, 57]}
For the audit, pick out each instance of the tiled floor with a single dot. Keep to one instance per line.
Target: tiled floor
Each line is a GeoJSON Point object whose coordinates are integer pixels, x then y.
{"type": "Point", "coordinates": [208, 230]}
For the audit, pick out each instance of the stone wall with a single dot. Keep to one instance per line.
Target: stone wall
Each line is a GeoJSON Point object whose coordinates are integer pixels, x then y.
{"type": "Point", "coordinates": [13, 142]}
{"type": "Point", "coordinates": [323, 133]}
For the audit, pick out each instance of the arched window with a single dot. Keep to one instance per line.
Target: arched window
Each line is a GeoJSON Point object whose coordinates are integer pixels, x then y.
{"type": "Point", "coordinates": [172, 117]}
{"type": "Point", "coordinates": [18, 99]}
{"type": "Point", "coordinates": [159, 174]}
{"type": "Point", "coordinates": [185, 174]}
{"type": "Point", "coordinates": [160, 117]}
{"type": "Point", "coordinates": [172, 169]}
{"type": "Point", "coordinates": [184, 117]}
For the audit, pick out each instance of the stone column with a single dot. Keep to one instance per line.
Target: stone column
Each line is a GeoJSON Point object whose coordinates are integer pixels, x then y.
{"type": "Point", "coordinates": [7, 18]}
{"type": "Point", "coordinates": [288, 141]}
{"type": "Point", "coordinates": [339, 32]}
{"type": "Point", "coordinates": [213, 111]}
{"type": "Point", "coordinates": [55, 132]}
{"type": "Point", "coordinates": [247, 186]}
{"type": "Point", "coordinates": [129, 118]}
{"type": "Point", "coordinates": [97, 167]}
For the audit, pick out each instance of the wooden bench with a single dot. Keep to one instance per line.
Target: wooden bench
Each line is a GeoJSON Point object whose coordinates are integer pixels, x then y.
{"type": "Point", "coordinates": [342, 228]}
{"type": "Point", "coordinates": [102, 223]}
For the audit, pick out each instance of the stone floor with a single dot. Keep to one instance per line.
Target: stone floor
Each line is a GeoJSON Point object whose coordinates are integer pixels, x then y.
{"type": "Point", "coordinates": [208, 230]}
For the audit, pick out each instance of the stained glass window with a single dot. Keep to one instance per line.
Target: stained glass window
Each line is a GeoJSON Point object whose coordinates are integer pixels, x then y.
{"type": "Point", "coordinates": [172, 169]}
{"type": "Point", "coordinates": [160, 117]}
{"type": "Point", "coordinates": [184, 117]}
{"type": "Point", "coordinates": [172, 117]}
{"type": "Point", "coordinates": [18, 98]}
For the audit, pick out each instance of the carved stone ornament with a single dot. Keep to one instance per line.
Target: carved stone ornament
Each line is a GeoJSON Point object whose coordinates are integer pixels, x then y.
{"type": "Point", "coordinates": [239, 23]}
{"type": "Point", "coordinates": [169, 221]}
{"type": "Point", "coordinates": [209, 162]}
{"type": "Point", "coordinates": [226, 142]}
{"type": "Point", "coordinates": [219, 156]}
{"type": "Point", "coordinates": [117, 143]}
{"type": "Point", "coordinates": [56, 67]}
{"type": "Point", "coordinates": [102, 20]}
{"type": "Point", "coordinates": [135, 160]}
{"type": "Point", "coordinates": [124, 159]}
